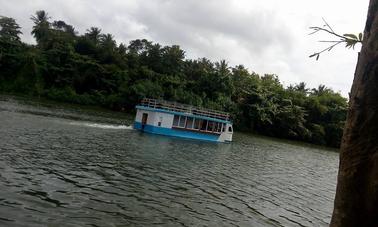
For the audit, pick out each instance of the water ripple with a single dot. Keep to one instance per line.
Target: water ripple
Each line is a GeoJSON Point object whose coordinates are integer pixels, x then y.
{"type": "Point", "coordinates": [78, 171]}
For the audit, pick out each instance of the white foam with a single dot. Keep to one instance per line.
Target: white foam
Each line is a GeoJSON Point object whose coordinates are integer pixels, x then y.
{"type": "Point", "coordinates": [104, 126]}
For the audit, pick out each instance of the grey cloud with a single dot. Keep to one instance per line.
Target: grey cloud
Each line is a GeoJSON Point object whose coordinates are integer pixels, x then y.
{"type": "Point", "coordinates": [193, 24]}
{"type": "Point", "coordinates": [189, 20]}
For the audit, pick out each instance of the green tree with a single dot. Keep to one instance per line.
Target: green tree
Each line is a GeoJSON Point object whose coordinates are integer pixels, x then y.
{"type": "Point", "coordinates": [41, 28]}
{"type": "Point", "coordinates": [9, 29]}
{"type": "Point", "coordinates": [65, 28]}
{"type": "Point", "coordinates": [94, 34]}
{"type": "Point", "coordinates": [92, 69]}
{"type": "Point", "coordinates": [12, 52]}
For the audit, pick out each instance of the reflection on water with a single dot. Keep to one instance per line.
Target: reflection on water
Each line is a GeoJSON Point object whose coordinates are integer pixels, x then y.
{"type": "Point", "coordinates": [58, 170]}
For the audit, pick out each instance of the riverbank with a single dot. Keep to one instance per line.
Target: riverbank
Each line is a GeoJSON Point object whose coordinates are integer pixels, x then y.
{"type": "Point", "coordinates": [76, 68]}
{"type": "Point", "coordinates": [121, 117]}
{"type": "Point", "coordinates": [70, 110]}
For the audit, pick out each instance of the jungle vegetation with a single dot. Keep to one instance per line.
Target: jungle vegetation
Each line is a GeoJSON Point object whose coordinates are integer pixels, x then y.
{"type": "Point", "coordinates": [93, 69]}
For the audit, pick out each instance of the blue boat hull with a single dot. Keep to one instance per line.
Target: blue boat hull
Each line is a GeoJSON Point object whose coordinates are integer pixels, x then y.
{"type": "Point", "coordinates": [176, 132]}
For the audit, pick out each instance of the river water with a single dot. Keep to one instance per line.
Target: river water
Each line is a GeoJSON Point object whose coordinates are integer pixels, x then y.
{"type": "Point", "coordinates": [68, 167]}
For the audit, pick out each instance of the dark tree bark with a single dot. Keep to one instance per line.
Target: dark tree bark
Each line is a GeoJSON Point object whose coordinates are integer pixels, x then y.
{"type": "Point", "coordinates": [356, 202]}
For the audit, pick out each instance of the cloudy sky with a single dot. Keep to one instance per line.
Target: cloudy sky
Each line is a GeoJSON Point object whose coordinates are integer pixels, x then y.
{"type": "Point", "coordinates": [269, 36]}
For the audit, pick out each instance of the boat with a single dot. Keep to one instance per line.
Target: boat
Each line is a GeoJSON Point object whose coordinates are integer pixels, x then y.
{"type": "Point", "coordinates": [180, 120]}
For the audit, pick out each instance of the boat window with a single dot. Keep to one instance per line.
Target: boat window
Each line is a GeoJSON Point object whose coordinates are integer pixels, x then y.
{"type": "Point", "coordinates": [215, 126]}
{"type": "Point", "coordinates": [197, 123]}
{"type": "Point", "coordinates": [189, 122]}
{"type": "Point", "coordinates": [176, 120]}
{"type": "Point", "coordinates": [230, 129]}
{"type": "Point", "coordinates": [182, 121]}
{"type": "Point", "coordinates": [223, 127]}
{"type": "Point", "coordinates": [219, 127]}
{"type": "Point", "coordinates": [204, 125]}
{"type": "Point", "coordinates": [210, 126]}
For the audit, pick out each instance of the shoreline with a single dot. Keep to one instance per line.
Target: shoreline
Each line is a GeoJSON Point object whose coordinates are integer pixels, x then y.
{"type": "Point", "coordinates": [129, 116]}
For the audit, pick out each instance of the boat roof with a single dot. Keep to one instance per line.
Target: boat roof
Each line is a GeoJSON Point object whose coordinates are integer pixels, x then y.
{"type": "Point", "coordinates": [183, 109]}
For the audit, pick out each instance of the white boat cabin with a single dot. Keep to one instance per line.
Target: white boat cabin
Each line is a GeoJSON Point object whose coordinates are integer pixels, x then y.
{"type": "Point", "coordinates": [174, 119]}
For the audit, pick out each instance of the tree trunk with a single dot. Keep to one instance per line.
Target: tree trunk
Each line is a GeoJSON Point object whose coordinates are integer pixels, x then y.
{"type": "Point", "coordinates": [356, 202]}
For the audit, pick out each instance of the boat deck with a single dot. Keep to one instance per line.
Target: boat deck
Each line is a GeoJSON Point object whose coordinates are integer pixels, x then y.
{"type": "Point", "coordinates": [178, 107]}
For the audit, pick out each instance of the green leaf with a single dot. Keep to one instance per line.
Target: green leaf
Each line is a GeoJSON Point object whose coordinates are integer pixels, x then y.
{"type": "Point", "coordinates": [350, 43]}
{"type": "Point", "coordinates": [360, 37]}
{"type": "Point", "coordinates": [352, 36]}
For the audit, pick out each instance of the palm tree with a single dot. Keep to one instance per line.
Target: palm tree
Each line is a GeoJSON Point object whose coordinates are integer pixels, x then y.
{"type": "Point", "coordinates": [41, 26]}
{"type": "Point", "coordinates": [94, 34]}
{"type": "Point", "coordinates": [122, 49]}
{"type": "Point", "coordinates": [322, 89]}
{"type": "Point", "coordinates": [301, 87]}
{"type": "Point", "coordinates": [222, 68]}
{"type": "Point", "coordinates": [107, 41]}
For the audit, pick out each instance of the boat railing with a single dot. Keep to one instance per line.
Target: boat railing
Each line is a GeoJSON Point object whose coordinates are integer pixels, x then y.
{"type": "Point", "coordinates": [178, 107]}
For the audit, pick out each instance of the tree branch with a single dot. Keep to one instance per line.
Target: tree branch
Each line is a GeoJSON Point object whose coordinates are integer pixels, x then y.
{"type": "Point", "coordinates": [350, 39]}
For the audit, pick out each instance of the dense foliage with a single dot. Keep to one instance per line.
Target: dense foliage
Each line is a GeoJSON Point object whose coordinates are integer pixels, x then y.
{"type": "Point", "coordinates": [93, 69]}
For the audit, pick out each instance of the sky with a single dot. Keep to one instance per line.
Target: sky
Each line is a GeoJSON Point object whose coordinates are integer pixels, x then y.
{"type": "Point", "coordinates": [269, 36]}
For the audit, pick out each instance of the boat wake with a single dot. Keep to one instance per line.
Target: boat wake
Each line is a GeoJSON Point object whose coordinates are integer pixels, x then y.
{"type": "Point", "coordinates": [103, 126]}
